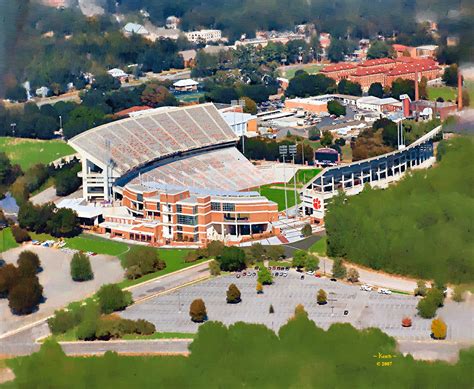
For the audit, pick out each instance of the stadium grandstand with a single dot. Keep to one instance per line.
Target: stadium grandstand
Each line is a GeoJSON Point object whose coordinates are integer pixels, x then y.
{"type": "Point", "coordinates": [378, 172]}
{"type": "Point", "coordinates": [185, 154]}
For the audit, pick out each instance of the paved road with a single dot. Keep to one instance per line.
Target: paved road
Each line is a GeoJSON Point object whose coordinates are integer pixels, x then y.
{"type": "Point", "coordinates": [22, 342]}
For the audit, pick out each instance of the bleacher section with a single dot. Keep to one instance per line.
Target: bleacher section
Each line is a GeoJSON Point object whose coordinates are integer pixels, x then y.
{"type": "Point", "coordinates": [137, 141]}
{"type": "Point", "coordinates": [224, 169]}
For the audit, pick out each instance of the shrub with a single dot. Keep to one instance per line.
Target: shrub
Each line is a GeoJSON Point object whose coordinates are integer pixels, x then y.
{"type": "Point", "coordinates": [191, 256]}
{"type": "Point", "coordinates": [133, 272]}
{"type": "Point", "coordinates": [338, 268]}
{"type": "Point", "coordinates": [312, 263]}
{"type": "Point", "coordinates": [21, 235]}
{"type": "Point", "coordinates": [25, 296]}
{"type": "Point", "coordinates": [112, 298]}
{"type": "Point", "coordinates": [88, 326]}
{"type": "Point", "coordinates": [322, 297]}
{"type": "Point", "coordinates": [197, 311]}
{"type": "Point", "coordinates": [232, 259]}
{"type": "Point", "coordinates": [428, 305]}
{"type": "Point", "coordinates": [307, 230]}
{"type": "Point", "coordinates": [352, 275]}
{"type": "Point", "coordinates": [214, 268]}
{"type": "Point", "coordinates": [81, 268]}
{"type": "Point", "coordinates": [458, 294]}
{"type": "Point", "coordinates": [438, 329]}
{"type": "Point", "coordinates": [28, 263]}
{"type": "Point", "coordinates": [420, 288]}
{"type": "Point", "coordinates": [271, 309]}
{"type": "Point", "coordinates": [215, 248]}
{"type": "Point", "coordinates": [264, 276]}
{"type": "Point", "coordinates": [145, 258]}
{"type": "Point", "coordinates": [257, 252]}
{"type": "Point", "coordinates": [233, 294]}
{"type": "Point", "coordinates": [61, 322]}
{"type": "Point", "coordinates": [144, 327]}
{"type": "Point", "coordinates": [275, 253]}
{"type": "Point", "coordinates": [259, 288]}
{"type": "Point", "coordinates": [299, 258]}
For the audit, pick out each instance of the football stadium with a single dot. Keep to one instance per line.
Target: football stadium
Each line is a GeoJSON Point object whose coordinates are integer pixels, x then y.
{"type": "Point", "coordinates": [174, 175]}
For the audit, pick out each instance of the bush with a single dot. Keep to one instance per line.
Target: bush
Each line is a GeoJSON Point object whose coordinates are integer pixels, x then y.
{"type": "Point", "coordinates": [232, 259]}
{"type": "Point", "coordinates": [215, 248]}
{"type": "Point", "coordinates": [257, 252]}
{"type": "Point", "coordinates": [428, 305]}
{"type": "Point", "coordinates": [314, 134]}
{"type": "Point", "coordinates": [306, 230]}
{"type": "Point", "coordinates": [112, 298]}
{"type": "Point", "coordinates": [25, 296]}
{"type": "Point", "coordinates": [420, 288]}
{"type": "Point", "coordinates": [312, 263]}
{"type": "Point", "coordinates": [458, 294]}
{"type": "Point", "coordinates": [9, 276]}
{"type": "Point", "coordinates": [352, 275]}
{"type": "Point", "coordinates": [197, 311]}
{"type": "Point", "coordinates": [21, 235]}
{"type": "Point", "coordinates": [28, 263]}
{"type": "Point", "coordinates": [191, 256]}
{"type": "Point", "coordinates": [144, 258]}
{"type": "Point", "coordinates": [322, 297]}
{"type": "Point", "coordinates": [61, 322]}
{"type": "Point", "coordinates": [271, 309]}
{"type": "Point", "coordinates": [406, 322]}
{"type": "Point", "coordinates": [259, 288]}
{"type": "Point", "coordinates": [81, 268]}
{"type": "Point", "coordinates": [438, 329]}
{"type": "Point", "coordinates": [88, 326]}
{"type": "Point", "coordinates": [275, 253]}
{"type": "Point", "coordinates": [214, 268]}
{"type": "Point", "coordinates": [299, 259]}
{"type": "Point", "coordinates": [336, 108]}
{"type": "Point", "coordinates": [233, 294]}
{"type": "Point", "coordinates": [338, 268]}
{"type": "Point", "coordinates": [264, 276]}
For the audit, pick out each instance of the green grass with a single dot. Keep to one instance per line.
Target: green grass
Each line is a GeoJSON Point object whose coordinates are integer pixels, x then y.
{"type": "Point", "coordinates": [28, 152]}
{"type": "Point", "coordinates": [309, 68]}
{"type": "Point", "coordinates": [7, 241]}
{"type": "Point", "coordinates": [160, 335]}
{"type": "Point", "coordinates": [319, 247]}
{"type": "Point", "coordinates": [449, 92]}
{"type": "Point", "coordinates": [278, 196]}
{"type": "Point", "coordinates": [347, 152]}
{"type": "Point", "coordinates": [304, 175]}
{"type": "Point", "coordinates": [279, 263]}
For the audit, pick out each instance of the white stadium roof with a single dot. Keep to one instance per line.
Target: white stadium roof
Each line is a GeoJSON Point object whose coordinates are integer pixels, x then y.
{"type": "Point", "coordinates": [137, 141]}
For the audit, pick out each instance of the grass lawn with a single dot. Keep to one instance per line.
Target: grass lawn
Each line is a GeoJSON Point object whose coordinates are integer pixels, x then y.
{"type": "Point", "coordinates": [27, 152]}
{"type": "Point", "coordinates": [278, 196]}
{"type": "Point", "coordinates": [347, 152]}
{"type": "Point", "coordinates": [7, 241]}
{"type": "Point", "coordinates": [449, 92]}
{"type": "Point", "coordinates": [309, 68]}
{"type": "Point", "coordinates": [279, 263]}
{"type": "Point", "coordinates": [319, 247]}
{"type": "Point", "coordinates": [160, 335]}
{"type": "Point", "coordinates": [304, 175]}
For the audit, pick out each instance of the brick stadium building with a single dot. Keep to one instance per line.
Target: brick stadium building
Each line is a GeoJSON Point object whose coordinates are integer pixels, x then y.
{"type": "Point", "coordinates": [174, 175]}
{"type": "Point", "coordinates": [383, 70]}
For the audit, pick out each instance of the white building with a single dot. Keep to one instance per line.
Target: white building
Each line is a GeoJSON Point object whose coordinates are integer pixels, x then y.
{"type": "Point", "coordinates": [372, 103]}
{"type": "Point", "coordinates": [135, 28]}
{"type": "Point", "coordinates": [204, 35]}
{"type": "Point", "coordinates": [238, 121]}
{"type": "Point", "coordinates": [117, 73]}
{"type": "Point", "coordinates": [186, 85]}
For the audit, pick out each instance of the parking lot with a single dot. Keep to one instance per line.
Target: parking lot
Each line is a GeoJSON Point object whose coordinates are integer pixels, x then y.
{"type": "Point", "coordinates": [170, 312]}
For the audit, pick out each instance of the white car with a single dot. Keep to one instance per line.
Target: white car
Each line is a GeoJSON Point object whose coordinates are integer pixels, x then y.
{"type": "Point", "coordinates": [385, 291]}
{"type": "Point", "coordinates": [310, 272]}
{"type": "Point", "coordinates": [366, 288]}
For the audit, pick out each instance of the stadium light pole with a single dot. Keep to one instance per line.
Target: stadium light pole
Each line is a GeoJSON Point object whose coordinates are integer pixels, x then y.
{"type": "Point", "coordinates": [283, 152]}
{"type": "Point", "coordinates": [292, 149]}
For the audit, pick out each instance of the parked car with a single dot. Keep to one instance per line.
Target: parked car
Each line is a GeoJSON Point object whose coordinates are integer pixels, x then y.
{"type": "Point", "coordinates": [385, 291]}
{"type": "Point", "coordinates": [310, 272]}
{"type": "Point", "coordinates": [366, 288]}
{"type": "Point", "coordinates": [334, 279]}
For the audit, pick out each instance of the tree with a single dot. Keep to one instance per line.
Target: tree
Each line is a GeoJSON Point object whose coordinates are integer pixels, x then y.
{"type": "Point", "coordinates": [257, 252]}
{"type": "Point", "coordinates": [428, 305]}
{"type": "Point", "coordinates": [215, 248]}
{"type": "Point", "coordinates": [326, 139]}
{"type": "Point", "coordinates": [197, 311]}
{"type": "Point", "coordinates": [61, 322]}
{"type": "Point", "coordinates": [438, 329]}
{"type": "Point", "coordinates": [307, 230]}
{"type": "Point", "coordinates": [28, 263]}
{"type": "Point", "coordinates": [87, 328]}
{"type": "Point", "coordinates": [402, 86]}
{"type": "Point", "coordinates": [222, 94]}
{"type": "Point", "coordinates": [81, 269]}
{"type": "Point", "coordinates": [233, 294]}
{"type": "Point", "coordinates": [322, 297]}
{"type": "Point", "coordinates": [105, 82]}
{"type": "Point", "coordinates": [9, 276]}
{"type": "Point", "coordinates": [450, 75]}
{"type": "Point", "coordinates": [466, 99]}
{"type": "Point", "coordinates": [338, 268]}
{"type": "Point", "coordinates": [299, 259]}
{"type": "Point", "coordinates": [250, 106]}
{"type": "Point", "coordinates": [232, 259]}
{"type": "Point", "coordinates": [156, 95]}
{"type": "Point", "coordinates": [389, 131]}
{"type": "Point", "coordinates": [112, 298]}
{"type": "Point", "coordinates": [312, 263]}
{"type": "Point", "coordinates": [67, 181]}
{"type": "Point", "coordinates": [423, 88]}
{"type": "Point", "coordinates": [214, 268]}
{"type": "Point", "coordinates": [349, 88]}
{"type": "Point", "coordinates": [420, 289]}
{"type": "Point", "coordinates": [259, 288]}
{"type": "Point", "coordinates": [141, 260]}
{"type": "Point", "coordinates": [63, 223]}
{"type": "Point", "coordinates": [314, 134]}
{"type": "Point", "coordinates": [21, 235]}
{"type": "Point", "coordinates": [336, 108]}
{"type": "Point", "coordinates": [379, 49]}
{"type": "Point", "coordinates": [376, 89]}
{"type": "Point", "coordinates": [25, 296]}
{"type": "Point", "coordinates": [275, 253]}
{"type": "Point", "coordinates": [336, 50]}
{"type": "Point", "coordinates": [352, 275]}
{"type": "Point", "coordinates": [264, 276]}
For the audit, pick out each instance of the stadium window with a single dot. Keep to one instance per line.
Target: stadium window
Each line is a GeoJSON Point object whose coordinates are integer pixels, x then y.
{"type": "Point", "coordinates": [216, 206]}
{"type": "Point", "coordinates": [229, 207]}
